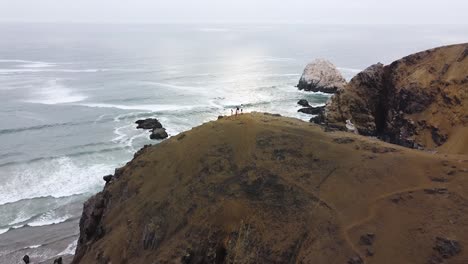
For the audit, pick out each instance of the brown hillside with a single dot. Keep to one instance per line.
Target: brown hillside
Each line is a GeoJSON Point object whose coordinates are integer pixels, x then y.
{"type": "Point", "coordinates": [265, 189]}
{"type": "Point", "coordinates": [418, 101]}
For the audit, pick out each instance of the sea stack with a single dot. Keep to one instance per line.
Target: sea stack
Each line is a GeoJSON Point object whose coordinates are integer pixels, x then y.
{"type": "Point", "coordinates": [321, 76]}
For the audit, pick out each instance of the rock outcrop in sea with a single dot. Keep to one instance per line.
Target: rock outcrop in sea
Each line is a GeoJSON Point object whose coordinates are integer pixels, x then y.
{"type": "Point", "coordinates": [157, 130]}
{"type": "Point", "coordinates": [321, 76]}
{"type": "Point", "coordinates": [418, 101]}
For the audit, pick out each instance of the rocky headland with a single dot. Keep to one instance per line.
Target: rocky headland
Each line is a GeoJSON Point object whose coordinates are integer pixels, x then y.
{"type": "Point", "coordinates": [420, 101]}
{"type": "Point", "coordinates": [261, 188]}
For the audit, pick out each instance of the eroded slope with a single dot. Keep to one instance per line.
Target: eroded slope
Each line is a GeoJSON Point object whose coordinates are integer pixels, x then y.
{"type": "Point", "coordinates": [267, 189]}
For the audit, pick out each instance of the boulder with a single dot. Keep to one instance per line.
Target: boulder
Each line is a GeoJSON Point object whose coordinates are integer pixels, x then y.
{"type": "Point", "coordinates": [321, 76]}
{"type": "Point", "coordinates": [58, 260]}
{"type": "Point", "coordinates": [107, 178]}
{"type": "Point", "coordinates": [447, 248]}
{"type": "Point", "coordinates": [303, 102]}
{"type": "Point", "coordinates": [150, 123]}
{"type": "Point", "coordinates": [367, 239]}
{"type": "Point", "coordinates": [159, 133]}
{"type": "Point", "coordinates": [355, 260]}
{"type": "Point", "coordinates": [26, 259]}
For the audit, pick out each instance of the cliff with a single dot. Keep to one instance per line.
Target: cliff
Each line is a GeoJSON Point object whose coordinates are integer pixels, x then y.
{"type": "Point", "coordinates": [267, 189]}
{"type": "Point", "coordinates": [419, 101]}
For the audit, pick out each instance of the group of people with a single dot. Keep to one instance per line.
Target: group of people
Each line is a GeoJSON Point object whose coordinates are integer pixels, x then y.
{"type": "Point", "coordinates": [238, 110]}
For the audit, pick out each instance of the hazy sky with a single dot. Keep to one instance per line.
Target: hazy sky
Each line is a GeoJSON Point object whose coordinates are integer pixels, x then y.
{"type": "Point", "coordinates": [264, 11]}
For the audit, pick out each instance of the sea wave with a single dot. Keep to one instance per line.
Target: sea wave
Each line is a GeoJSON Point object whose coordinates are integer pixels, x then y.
{"type": "Point", "coordinates": [37, 64]}
{"type": "Point", "coordinates": [147, 107]}
{"type": "Point", "coordinates": [71, 155]}
{"type": "Point", "coordinates": [70, 250]}
{"type": "Point", "coordinates": [46, 126]}
{"type": "Point", "coordinates": [23, 61]}
{"type": "Point", "coordinates": [55, 93]}
{"type": "Point", "coordinates": [38, 69]}
{"type": "Point", "coordinates": [46, 220]}
{"type": "Point", "coordinates": [132, 116]}
{"type": "Point", "coordinates": [59, 177]}
{"type": "Point", "coordinates": [172, 86]}
{"type": "Point", "coordinates": [33, 246]}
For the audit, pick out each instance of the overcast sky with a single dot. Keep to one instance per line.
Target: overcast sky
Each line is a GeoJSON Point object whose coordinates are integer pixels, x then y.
{"type": "Point", "coordinates": [239, 11]}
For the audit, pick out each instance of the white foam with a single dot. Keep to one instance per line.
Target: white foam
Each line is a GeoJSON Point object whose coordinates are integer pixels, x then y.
{"type": "Point", "coordinates": [48, 219]}
{"type": "Point", "coordinates": [55, 93]}
{"type": "Point", "coordinates": [39, 69]}
{"type": "Point", "coordinates": [175, 86]}
{"type": "Point", "coordinates": [120, 135]}
{"type": "Point", "coordinates": [4, 230]}
{"type": "Point", "coordinates": [33, 246]}
{"type": "Point", "coordinates": [129, 115]}
{"type": "Point", "coordinates": [20, 217]}
{"type": "Point", "coordinates": [21, 61]}
{"type": "Point", "coordinates": [70, 250]}
{"type": "Point", "coordinates": [59, 177]}
{"type": "Point", "coordinates": [129, 142]}
{"type": "Point", "coordinates": [38, 64]}
{"type": "Point", "coordinates": [152, 108]}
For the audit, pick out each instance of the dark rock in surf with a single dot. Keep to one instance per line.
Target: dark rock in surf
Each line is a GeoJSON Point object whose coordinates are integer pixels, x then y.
{"type": "Point", "coordinates": [150, 123]}
{"type": "Point", "coordinates": [26, 259]}
{"type": "Point", "coordinates": [304, 103]}
{"type": "Point", "coordinates": [159, 133]}
{"type": "Point", "coordinates": [58, 260]}
{"type": "Point", "coordinates": [107, 178]}
{"type": "Point", "coordinates": [157, 130]}
{"type": "Point", "coordinates": [311, 110]}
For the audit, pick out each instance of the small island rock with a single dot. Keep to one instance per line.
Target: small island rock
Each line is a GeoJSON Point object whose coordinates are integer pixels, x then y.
{"type": "Point", "coordinates": [321, 76]}
{"type": "Point", "coordinates": [150, 123]}
{"type": "Point", "coordinates": [303, 102]}
{"type": "Point", "coordinates": [159, 133]}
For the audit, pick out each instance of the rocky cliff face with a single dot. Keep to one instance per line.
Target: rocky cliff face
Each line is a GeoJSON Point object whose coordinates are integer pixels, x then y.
{"type": "Point", "coordinates": [321, 76]}
{"type": "Point", "coordinates": [418, 101]}
{"type": "Point", "coordinates": [267, 189]}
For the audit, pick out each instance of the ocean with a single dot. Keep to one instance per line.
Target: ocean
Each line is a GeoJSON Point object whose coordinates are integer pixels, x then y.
{"type": "Point", "coordinates": [70, 94]}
